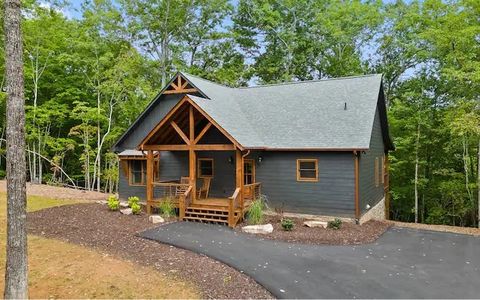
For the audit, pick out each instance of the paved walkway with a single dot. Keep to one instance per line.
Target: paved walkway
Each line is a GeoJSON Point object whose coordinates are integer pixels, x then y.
{"type": "Point", "coordinates": [403, 263]}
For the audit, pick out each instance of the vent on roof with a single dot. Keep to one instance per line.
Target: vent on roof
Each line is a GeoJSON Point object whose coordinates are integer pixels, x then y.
{"type": "Point", "coordinates": [345, 107]}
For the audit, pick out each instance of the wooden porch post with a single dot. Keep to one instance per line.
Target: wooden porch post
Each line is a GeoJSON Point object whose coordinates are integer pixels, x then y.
{"type": "Point", "coordinates": [239, 175]}
{"type": "Point", "coordinates": [149, 182]}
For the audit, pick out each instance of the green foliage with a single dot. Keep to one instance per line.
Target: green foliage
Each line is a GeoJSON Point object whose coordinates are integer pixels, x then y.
{"type": "Point", "coordinates": [335, 224]}
{"type": "Point", "coordinates": [136, 208]}
{"type": "Point", "coordinates": [255, 212]}
{"type": "Point", "coordinates": [133, 200]}
{"type": "Point", "coordinates": [167, 207]}
{"type": "Point", "coordinates": [113, 203]}
{"type": "Point", "coordinates": [287, 224]}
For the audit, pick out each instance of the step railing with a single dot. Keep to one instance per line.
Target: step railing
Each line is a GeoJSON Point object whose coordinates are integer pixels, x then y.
{"type": "Point", "coordinates": [184, 201]}
{"type": "Point", "coordinates": [233, 204]}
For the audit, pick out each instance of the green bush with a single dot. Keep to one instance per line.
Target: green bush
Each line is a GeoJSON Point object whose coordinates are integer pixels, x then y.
{"type": "Point", "coordinates": [335, 224]}
{"type": "Point", "coordinates": [136, 208]}
{"type": "Point", "coordinates": [132, 201]}
{"type": "Point", "coordinates": [287, 224]}
{"type": "Point", "coordinates": [255, 212]}
{"type": "Point", "coordinates": [113, 203]}
{"type": "Point", "coordinates": [167, 208]}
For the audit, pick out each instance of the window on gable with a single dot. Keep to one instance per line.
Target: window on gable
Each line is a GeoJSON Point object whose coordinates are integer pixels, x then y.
{"type": "Point", "coordinates": [205, 167]}
{"type": "Point", "coordinates": [307, 169]}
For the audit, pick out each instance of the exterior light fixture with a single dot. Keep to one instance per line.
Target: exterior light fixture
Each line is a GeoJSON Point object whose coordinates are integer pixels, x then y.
{"type": "Point", "coordinates": [260, 159]}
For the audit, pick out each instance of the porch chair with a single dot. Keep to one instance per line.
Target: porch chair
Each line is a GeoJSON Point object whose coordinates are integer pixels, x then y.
{"type": "Point", "coordinates": [205, 189]}
{"type": "Point", "coordinates": [182, 189]}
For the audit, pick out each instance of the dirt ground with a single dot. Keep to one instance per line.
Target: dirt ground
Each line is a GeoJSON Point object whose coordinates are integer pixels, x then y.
{"type": "Point", "coordinates": [441, 228]}
{"type": "Point", "coordinates": [112, 233]}
{"type": "Point", "coordinates": [349, 234]}
{"type": "Point", "coordinates": [55, 192]}
{"type": "Point", "coordinates": [63, 270]}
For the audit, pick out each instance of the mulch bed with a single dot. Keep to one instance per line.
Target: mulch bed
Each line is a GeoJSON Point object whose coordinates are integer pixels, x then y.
{"type": "Point", "coordinates": [93, 225]}
{"type": "Point", "coordinates": [349, 234]}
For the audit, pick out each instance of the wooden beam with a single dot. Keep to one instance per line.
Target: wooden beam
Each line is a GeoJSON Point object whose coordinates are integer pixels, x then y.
{"type": "Point", "coordinates": [149, 182]}
{"type": "Point", "coordinates": [179, 81]}
{"type": "Point", "coordinates": [202, 133]}
{"type": "Point", "coordinates": [167, 147]}
{"type": "Point", "coordinates": [181, 91]}
{"type": "Point", "coordinates": [174, 86]}
{"type": "Point", "coordinates": [356, 155]}
{"type": "Point", "coordinates": [180, 132]}
{"type": "Point", "coordinates": [239, 176]}
{"type": "Point", "coordinates": [191, 125]}
{"type": "Point", "coordinates": [387, 188]}
{"type": "Point", "coordinates": [213, 147]}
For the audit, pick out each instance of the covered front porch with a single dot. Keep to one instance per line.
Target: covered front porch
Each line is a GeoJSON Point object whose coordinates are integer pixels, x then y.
{"type": "Point", "coordinates": [186, 129]}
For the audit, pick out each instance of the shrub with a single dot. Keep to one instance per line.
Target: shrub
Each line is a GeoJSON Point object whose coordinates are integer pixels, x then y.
{"type": "Point", "coordinates": [335, 224]}
{"type": "Point", "coordinates": [287, 224]}
{"type": "Point", "coordinates": [255, 212]}
{"type": "Point", "coordinates": [113, 203]}
{"type": "Point", "coordinates": [132, 201]}
{"type": "Point", "coordinates": [136, 208]}
{"type": "Point", "coordinates": [166, 207]}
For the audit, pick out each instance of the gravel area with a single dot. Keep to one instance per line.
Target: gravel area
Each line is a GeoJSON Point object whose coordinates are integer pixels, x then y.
{"type": "Point", "coordinates": [56, 192]}
{"type": "Point", "coordinates": [93, 225]}
{"type": "Point", "coordinates": [349, 234]}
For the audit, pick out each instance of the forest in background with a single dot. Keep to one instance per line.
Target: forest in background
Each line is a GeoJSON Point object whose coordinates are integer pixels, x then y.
{"type": "Point", "coordinates": [88, 77]}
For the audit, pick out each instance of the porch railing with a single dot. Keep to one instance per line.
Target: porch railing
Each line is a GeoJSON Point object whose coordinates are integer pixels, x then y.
{"type": "Point", "coordinates": [184, 201]}
{"type": "Point", "coordinates": [169, 189]}
{"type": "Point", "coordinates": [252, 191]}
{"type": "Point", "coordinates": [233, 205]}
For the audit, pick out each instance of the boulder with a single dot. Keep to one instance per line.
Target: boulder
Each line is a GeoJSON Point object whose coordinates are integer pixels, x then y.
{"type": "Point", "coordinates": [101, 201]}
{"type": "Point", "coordinates": [314, 223]}
{"type": "Point", "coordinates": [258, 229]}
{"type": "Point", "coordinates": [126, 211]}
{"type": "Point", "coordinates": [156, 219]}
{"type": "Point", "coordinates": [123, 204]}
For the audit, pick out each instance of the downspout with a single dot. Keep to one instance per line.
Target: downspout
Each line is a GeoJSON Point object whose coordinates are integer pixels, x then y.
{"type": "Point", "coordinates": [356, 155]}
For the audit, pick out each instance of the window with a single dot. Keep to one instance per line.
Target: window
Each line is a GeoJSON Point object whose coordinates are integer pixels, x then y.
{"type": "Point", "coordinates": [376, 171]}
{"type": "Point", "coordinates": [205, 167]}
{"type": "Point", "coordinates": [248, 171]}
{"type": "Point", "coordinates": [307, 169]}
{"type": "Point", "coordinates": [138, 172]}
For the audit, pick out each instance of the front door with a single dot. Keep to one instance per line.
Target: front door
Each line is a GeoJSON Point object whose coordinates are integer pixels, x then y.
{"type": "Point", "coordinates": [248, 171]}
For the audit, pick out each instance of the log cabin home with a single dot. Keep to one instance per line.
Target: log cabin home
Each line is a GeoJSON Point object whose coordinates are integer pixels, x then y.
{"type": "Point", "coordinates": [310, 147]}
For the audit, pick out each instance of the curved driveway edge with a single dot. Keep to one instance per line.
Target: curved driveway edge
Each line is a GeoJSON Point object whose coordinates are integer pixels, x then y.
{"type": "Point", "coordinates": [403, 263]}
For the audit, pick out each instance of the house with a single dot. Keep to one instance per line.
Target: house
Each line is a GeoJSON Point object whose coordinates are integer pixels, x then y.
{"type": "Point", "coordinates": [312, 147]}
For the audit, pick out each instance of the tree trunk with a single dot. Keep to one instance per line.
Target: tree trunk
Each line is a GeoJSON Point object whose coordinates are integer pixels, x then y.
{"type": "Point", "coordinates": [478, 184]}
{"type": "Point", "coordinates": [416, 173]}
{"type": "Point", "coordinates": [16, 279]}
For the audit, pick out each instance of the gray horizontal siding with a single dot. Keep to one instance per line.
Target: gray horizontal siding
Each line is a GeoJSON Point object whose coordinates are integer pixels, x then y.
{"type": "Point", "coordinates": [150, 120]}
{"type": "Point", "coordinates": [368, 192]}
{"type": "Point", "coordinates": [333, 194]}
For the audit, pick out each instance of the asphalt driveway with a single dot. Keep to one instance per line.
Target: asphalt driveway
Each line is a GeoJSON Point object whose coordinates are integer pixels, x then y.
{"type": "Point", "coordinates": [403, 263]}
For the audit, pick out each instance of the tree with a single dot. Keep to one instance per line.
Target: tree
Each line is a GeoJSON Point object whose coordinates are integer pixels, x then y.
{"type": "Point", "coordinates": [16, 279]}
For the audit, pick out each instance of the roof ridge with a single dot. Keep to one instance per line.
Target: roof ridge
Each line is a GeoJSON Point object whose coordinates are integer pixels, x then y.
{"type": "Point", "coordinates": [282, 83]}
{"type": "Point", "coordinates": [210, 81]}
{"type": "Point", "coordinates": [310, 81]}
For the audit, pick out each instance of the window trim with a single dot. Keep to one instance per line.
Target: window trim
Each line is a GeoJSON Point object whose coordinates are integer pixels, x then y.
{"type": "Point", "coordinates": [199, 175]}
{"type": "Point", "coordinates": [143, 167]}
{"type": "Point", "coordinates": [376, 172]}
{"type": "Point", "coordinates": [303, 179]}
{"type": "Point", "coordinates": [156, 171]}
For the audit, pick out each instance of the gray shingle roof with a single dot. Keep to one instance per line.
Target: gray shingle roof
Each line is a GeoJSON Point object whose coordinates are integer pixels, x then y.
{"type": "Point", "coordinates": [297, 115]}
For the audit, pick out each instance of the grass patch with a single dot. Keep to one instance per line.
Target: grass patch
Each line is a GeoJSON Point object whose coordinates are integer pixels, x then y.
{"type": "Point", "coordinates": [62, 270]}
